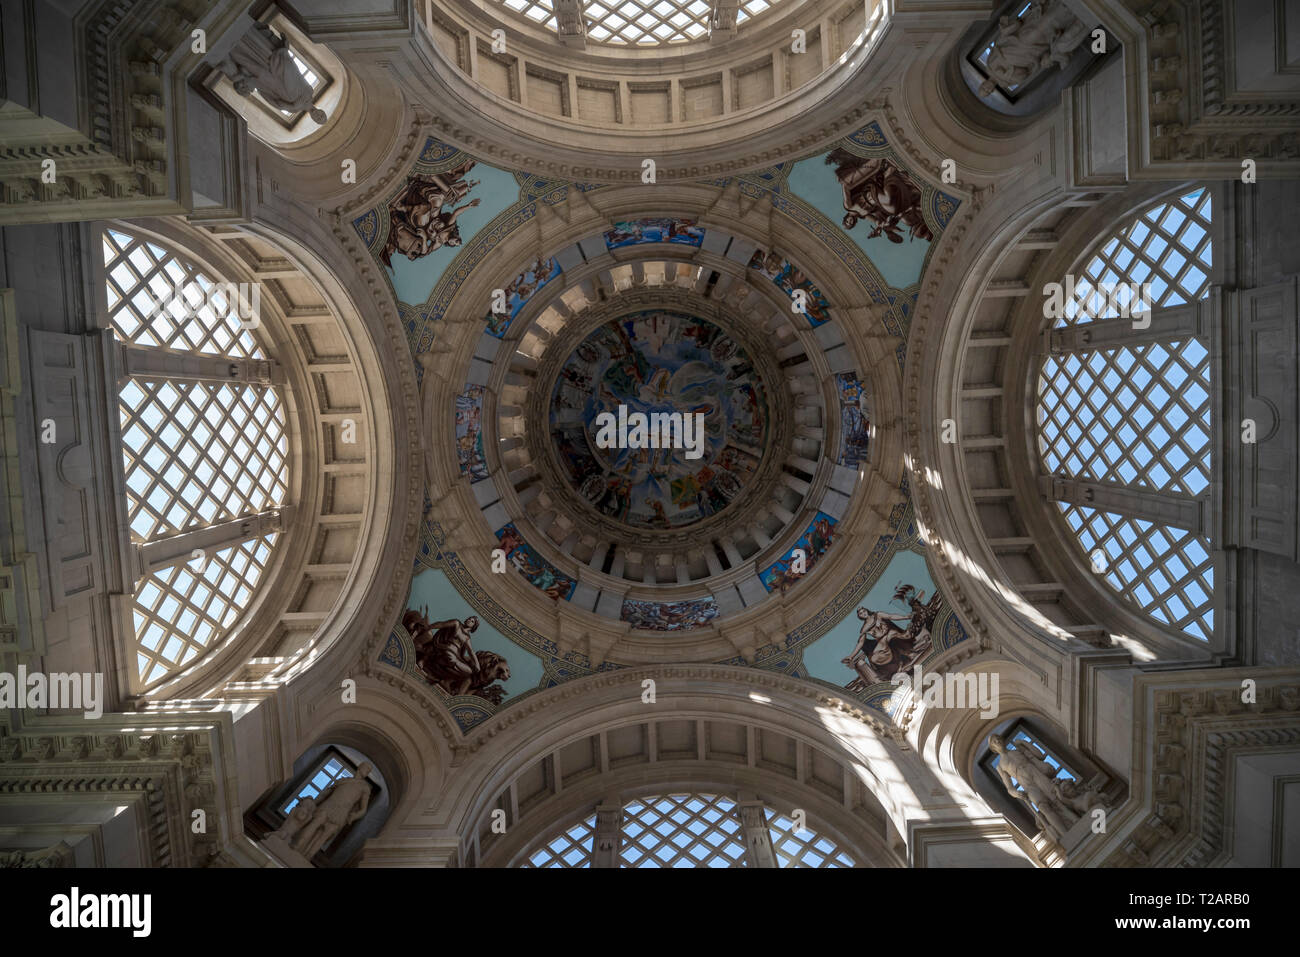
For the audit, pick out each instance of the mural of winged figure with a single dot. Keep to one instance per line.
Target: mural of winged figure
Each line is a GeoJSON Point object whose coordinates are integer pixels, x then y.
{"type": "Point", "coordinates": [884, 647]}
{"type": "Point", "coordinates": [419, 221]}
{"type": "Point", "coordinates": [880, 192]}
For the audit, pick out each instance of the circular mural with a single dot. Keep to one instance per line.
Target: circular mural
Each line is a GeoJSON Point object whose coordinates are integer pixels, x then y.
{"type": "Point", "coordinates": [692, 386]}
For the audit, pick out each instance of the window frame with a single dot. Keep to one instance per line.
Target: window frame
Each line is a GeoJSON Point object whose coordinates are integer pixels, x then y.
{"type": "Point", "coordinates": [274, 522]}
{"type": "Point", "coordinates": [1180, 512]}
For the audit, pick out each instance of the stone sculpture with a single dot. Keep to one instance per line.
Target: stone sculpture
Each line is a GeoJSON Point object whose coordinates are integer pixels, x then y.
{"type": "Point", "coordinates": [1055, 803]}
{"type": "Point", "coordinates": [342, 804]}
{"type": "Point", "coordinates": [261, 63]}
{"type": "Point", "coordinates": [1025, 46]}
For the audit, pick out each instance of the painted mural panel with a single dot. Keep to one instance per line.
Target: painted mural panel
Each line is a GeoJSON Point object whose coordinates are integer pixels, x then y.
{"type": "Point", "coordinates": [540, 573]}
{"type": "Point", "coordinates": [518, 291]}
{"type": "Point", "coordinates": [888, 212]}
{"type": "Point", "coordinates": [855, 424]}
{"type": "Point", "coordinates": [446, 200]}
{"type": "Point", "coordinates": [469, 432]}
{"type": "Point", "coordinates": [669, 615]}
{"type": "Point", "coordinates": [895, 625]}
{"type": "Point", "coordinates": [815, 541]}
{"type": "Point", "coordinates": [789, 278]}
{"type": "Point", "coordinates": [453, 649]}
{"type": "Point", "coordinates": [656, 362]}
{"type": "Point", "coordinates": [654, 230]}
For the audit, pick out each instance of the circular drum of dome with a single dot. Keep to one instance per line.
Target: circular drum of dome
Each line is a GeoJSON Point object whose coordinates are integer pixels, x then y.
{"type": "Point", "coordinates": [671, 372]}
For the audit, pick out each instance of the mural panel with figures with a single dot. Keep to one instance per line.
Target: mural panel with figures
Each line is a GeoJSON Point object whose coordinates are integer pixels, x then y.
{"type": "Point", "coordinates": [469, 432]}
{"type": "Point", "coordinates": [540, 573]}
{"type": "Point", "coordinates": [669, 615]}
{"type": "Point", "coordinates": [890, 630]}
{"type": "Point", "coordinates": [790, 278]}
{"type": "Point", "coordinates": [518, 291]}
{"type": "Point", "coordinates": [423, 216]}
{"type": "Point", "coordinates": [855, 423]}
{"type": "Point", "coordinates": [453, 649]}
{"type": "Point", "coordinates": [446, 199]}
{"type": "Point", "coordinates": [884, 209]}
{"type": "Point", "coordinates": [654, 230]}
{"type": "Point", "coordinates": [783, 573]}
{"type": "Point", "coordinates": [659, 362]}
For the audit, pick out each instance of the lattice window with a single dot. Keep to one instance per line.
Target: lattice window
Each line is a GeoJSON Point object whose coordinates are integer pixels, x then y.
{"type": "Point", "coordinates": [195, 453]}
{"type": "Point", "coordinates": [198, 453]}
{"type": "Point", "coordinates": [142, 280]}
{"type": "Point", "coordinates": [1168, 246]}
{"type": "Point", "coordinates": [802, 847]}
{"type": "Point", "coordinates": [539, 11]}
{"type": "Point", "coordinates": [181, 611]}
{"type": "Point", "coordinates": [1134, 415]}
{"type": "Point", "coordinates": [640, 22]}
{"type": "Point", "coordinates": [572, 848]}
{"type": "Point", "coordinates": [1167, 572]}
{"type": "Point", "coordinates": [682, 830]}
{"type": "Point", "coordinates": [331, 769]}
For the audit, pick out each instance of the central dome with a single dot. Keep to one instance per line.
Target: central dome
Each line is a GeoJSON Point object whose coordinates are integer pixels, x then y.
{"type": "Point", "coordinates": [659, 363]}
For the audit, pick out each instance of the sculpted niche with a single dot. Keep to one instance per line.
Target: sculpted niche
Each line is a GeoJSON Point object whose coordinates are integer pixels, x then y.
{"type": "Point", "coordinates": [1047, 34]}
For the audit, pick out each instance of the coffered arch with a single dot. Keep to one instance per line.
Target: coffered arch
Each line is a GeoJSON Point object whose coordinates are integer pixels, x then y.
{"type": "Point", "coordinates": [783, 739]}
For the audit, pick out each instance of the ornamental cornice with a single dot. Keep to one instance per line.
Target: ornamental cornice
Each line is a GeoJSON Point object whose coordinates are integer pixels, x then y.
{"type": "Point", "coordinates": [1195, 732]}
{"type": "Point", "coordinates": [173, 772]}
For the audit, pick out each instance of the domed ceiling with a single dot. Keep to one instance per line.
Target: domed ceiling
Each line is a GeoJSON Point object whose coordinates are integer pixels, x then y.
{"type": "Point", "coordinates": [772, 309]}
{"type": "Point", "coordinates": [657, 364]}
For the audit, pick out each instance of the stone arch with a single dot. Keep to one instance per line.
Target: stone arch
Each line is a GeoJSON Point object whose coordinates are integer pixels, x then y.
{"type": "Point", "coordinates": [716, 716]}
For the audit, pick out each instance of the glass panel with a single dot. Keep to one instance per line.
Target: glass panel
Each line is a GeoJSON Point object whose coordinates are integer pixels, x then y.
{"type": "Point", "coordinates": [1168, 246]}
{"type": "Point", "coordinates": [1160, 391]}
{"type": "Point", "coordinates": [802, 848]}
{"type": "Point", "coordinates": [569, 849]}
{"type": "Point", "coordinates": [182, 611]}
{"type": "Point", "coordinates": [682, 830]}
{"type": "Point", "coordinates": [640, 22]}
{"type": "Point", "coordinates": [1166, 571]}
{"type": "Point", "coordinates": [196, 453]}
{"type": "Point", "coordinates": [158, 298]}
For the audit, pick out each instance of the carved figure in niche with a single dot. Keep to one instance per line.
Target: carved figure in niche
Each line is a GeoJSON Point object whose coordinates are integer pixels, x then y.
{"type": "Point", "coordinates": [419, 223]}
{"type": "Point", "coordinates": [298, 818]}
{"type": "Point", "coordinates": [261, 63]}
{"type": "Point", "coordinates": [1039, 789]}
{"type": "Point", "coordinates": [341, 805]}
{"type": "Point", "coordinates": [568, 18]}
{"type": "Point", "coordinates": [1023, 47]}
{"type": "Point", "coordinates": [878, 191]}
{"type": "Point", "coordinates": [892, 648]}
{"type": "Point", "coordinates": [445, 655]}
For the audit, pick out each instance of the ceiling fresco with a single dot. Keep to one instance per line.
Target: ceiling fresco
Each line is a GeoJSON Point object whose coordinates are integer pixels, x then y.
{"type": "Point", "coordinates": [879, 222]}
{"type": "Point", "coordinates": [656, 362]}
{"type": "Point", "coordinates": [888, 617]}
